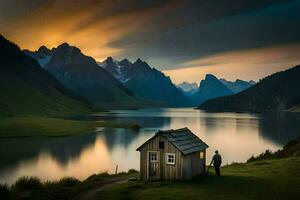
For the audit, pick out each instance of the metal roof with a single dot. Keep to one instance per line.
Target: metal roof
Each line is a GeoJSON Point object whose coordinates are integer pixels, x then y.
{"type": "Point", "coordinates": [183, 139]}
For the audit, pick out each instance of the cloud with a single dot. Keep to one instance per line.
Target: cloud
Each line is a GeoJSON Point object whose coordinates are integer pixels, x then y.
{"type": "Point", "coordinates": [267, 26]}
{"type": "Point", "coordinates": [251, 64]}
{"type": "Point", "coordinates": [169, 34]}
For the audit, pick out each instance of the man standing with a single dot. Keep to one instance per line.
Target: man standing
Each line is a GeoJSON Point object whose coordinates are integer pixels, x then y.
{"type": "Point", "coordinates": [217, 161]}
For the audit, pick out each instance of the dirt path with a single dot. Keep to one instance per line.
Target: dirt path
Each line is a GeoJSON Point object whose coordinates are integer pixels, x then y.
{"type": "Point", "coordinates": [91, 194]}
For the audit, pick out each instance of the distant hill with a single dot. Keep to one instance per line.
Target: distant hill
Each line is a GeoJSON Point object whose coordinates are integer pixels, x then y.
{"type": "Point", "coordinates": [27, 89]}
{"type": "Point", "coordinates": [209, 88]}
{"type": "Point", "coordinates": [146, 82]}
{"type": "Point", "coordinates": [82, 75]}
{"type": "Point", "coordinates": [238, 85]}
{"type": "Point", "coordinates": [277, 92]}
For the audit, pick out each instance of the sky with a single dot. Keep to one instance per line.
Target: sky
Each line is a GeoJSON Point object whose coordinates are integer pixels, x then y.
{"type": "Point", "coordinates": [246, 39]}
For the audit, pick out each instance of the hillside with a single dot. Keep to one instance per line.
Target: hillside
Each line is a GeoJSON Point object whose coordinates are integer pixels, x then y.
{"type": "Point", "coordinates": [271, 179]}
{"type": "Point", "coordinates": [27, 89]}
{"type": "Point", "coordinates": [277, 92]}
{"type": "Point", "coordinates": [146, 82]}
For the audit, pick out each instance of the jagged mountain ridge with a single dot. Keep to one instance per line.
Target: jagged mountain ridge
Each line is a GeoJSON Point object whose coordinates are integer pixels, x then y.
{"type": "Point", "coordinates": [238, 85]}
{"type": "Point", "coordinates": [146, 81]}
{"type": "Point", "coordinates": [212, 87]}
{"type": "Point", "coordinates": [82, 75]}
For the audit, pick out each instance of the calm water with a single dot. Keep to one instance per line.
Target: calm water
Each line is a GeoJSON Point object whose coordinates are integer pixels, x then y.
{"type": "Point", "coordinates": [236, 136]}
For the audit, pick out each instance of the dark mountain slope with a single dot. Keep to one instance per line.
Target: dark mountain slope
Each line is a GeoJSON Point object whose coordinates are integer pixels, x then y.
{"type": "Point", "coordinates": [280, 91]}
{"type": "Point", "coordinates": [83, 76]}
{"type": "Point", "coordinates": [146, 82]}
{"type": "Point", "coordinates": [42, 55]}
{"type": "Point", "coordinates": [25, 88]}
{"type": "Point", "coordinates": [210, 88]}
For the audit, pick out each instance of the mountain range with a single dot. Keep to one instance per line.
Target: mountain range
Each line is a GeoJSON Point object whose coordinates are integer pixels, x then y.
{"type": "Point", "coordinates": [118, 83]}
{"type": "Point", "coordinates": [145, 81]}
{"type": "Point", "coordinates": [212, 87]}
{"type": "Point", "coordinates": [64, 80]}
{"type": "Point", "coordinates": [27, 89]}
{"type": "Point", "coordinates": [238, 85]}
{"type": "Point", "coordinates": [82, 75]}
{"type": "Point", "coordinates": [277, 92]}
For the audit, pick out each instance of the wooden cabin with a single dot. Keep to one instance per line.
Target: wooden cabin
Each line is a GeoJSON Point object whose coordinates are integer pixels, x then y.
{"type": "Point", "coordinates": [172, 155]}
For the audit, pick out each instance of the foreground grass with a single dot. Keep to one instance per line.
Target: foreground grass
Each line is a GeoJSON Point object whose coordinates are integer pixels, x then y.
{"type": "Point", "coordinates": [66, 188]}
{"type": "Point", "coordinates": [271, 179]}
{"type": "Point", "coordinates": [264, 177]}
{"type": "Point", "coordinates": [51, 127]}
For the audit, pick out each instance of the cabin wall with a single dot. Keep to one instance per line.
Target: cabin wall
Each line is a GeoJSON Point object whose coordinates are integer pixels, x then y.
{"type": "Point", "coordinates": [167, 172]}
{"type": "Point", "coordinates": [186, 167]}
{"type": "Point", "coordinates": [193, 165]}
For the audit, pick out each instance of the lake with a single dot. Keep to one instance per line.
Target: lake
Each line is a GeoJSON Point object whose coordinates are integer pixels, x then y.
{"type": "Point", "coordinates": [237, 136]}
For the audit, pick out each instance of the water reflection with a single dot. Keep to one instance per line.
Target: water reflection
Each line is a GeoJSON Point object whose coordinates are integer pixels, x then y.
{"type": "Point", "coordinates": [236, 136]}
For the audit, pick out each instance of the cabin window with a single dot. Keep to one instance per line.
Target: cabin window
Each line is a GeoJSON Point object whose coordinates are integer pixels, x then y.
{"type": "Point", "coordinates": [161, 145]}
{"type": "Point", "coordinates": [153, 156]}
{"type": "Point", "coordinates": [201, 155]}
{"type": "Point", "coordinates": [170, 158]}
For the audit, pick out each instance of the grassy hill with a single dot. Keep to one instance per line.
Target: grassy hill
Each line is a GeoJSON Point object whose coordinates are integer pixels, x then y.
{"type": "Point", "coordinates": [277, 92]}
{"type": "Point", "coordinates": [271, 179]}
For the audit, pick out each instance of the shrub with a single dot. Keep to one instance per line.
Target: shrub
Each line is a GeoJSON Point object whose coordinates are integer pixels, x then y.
{"type": "Point", "coordinates": [132, 171]}
{"type": "Point", "coordinates": [68, 182]}
{"type": "Point", "coordinates": [290, 149]}
{"type": "Point", "coordinates": [27, 183]}
{"type": "Point", "coordinates": [28, 188]}
{"type": "Point", "coordinates": [4, 191]}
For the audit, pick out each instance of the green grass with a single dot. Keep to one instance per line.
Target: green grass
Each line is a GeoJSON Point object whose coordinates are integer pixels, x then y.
{"type": "Point", "coordinates": [20, 99]}
{"type": "Point", "coordinates": [51, 127]}
{"type": "Point", "coordinates": [270, 179]}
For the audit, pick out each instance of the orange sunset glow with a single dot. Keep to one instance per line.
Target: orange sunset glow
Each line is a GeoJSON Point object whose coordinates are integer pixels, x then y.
{"type": "Point", "coordinates": [101, 29]}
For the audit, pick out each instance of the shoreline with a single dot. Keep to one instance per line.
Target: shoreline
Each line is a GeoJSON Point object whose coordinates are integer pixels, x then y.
{"type": "Point", "coordinates": [36, 126]}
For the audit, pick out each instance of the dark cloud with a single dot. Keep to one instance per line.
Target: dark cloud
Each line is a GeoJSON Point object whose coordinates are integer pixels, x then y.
{"type": "Point", "coordinates": [116, 8]}
{"type": "Point", "coordinates": [230, 28]}
{"type": "Point", "coordinates": [167, 33]}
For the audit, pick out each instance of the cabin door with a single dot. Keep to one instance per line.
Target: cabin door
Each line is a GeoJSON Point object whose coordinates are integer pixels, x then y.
{"type": "Point", "coordinates": [154, 165]}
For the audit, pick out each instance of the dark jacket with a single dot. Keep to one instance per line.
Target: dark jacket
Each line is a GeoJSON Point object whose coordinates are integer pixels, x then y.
{"type": "Point", "coordinates": [217, 159]}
